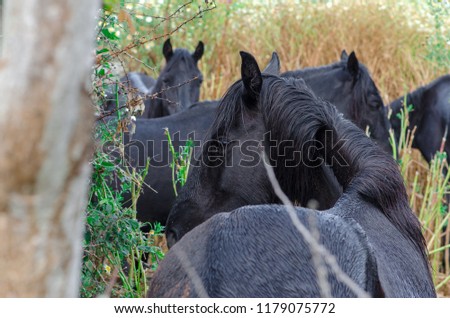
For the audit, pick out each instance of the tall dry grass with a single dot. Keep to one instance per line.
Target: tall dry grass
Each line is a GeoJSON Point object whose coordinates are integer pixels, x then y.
{"type": "Point", "coordinates": [389, 37]}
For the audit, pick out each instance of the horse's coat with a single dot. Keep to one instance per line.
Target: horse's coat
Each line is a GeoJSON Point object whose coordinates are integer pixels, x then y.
{"type": "Point", "coordinates": [256, 251]}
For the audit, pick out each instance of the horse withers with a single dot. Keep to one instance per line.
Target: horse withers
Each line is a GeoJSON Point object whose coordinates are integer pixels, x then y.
{"type": "Point", "coordinates": [317, 150]}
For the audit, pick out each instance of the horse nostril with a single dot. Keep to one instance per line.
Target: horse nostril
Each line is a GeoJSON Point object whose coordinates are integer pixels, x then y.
{"type": "Point", "coordinates": [171, 237]}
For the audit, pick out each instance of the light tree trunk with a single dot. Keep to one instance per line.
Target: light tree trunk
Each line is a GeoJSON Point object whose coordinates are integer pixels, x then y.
{"type": "Point", "coordinates": [45, 124]}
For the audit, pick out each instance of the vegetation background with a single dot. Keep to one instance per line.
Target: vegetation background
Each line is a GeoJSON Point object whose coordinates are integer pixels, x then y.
{"type": "Point", "coordinates": [405, 44]}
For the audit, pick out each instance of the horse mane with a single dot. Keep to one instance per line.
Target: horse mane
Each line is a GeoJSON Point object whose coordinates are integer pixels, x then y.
{"type": "Point", "coordinates": [292, 112]}
{"type": "Point", "coordinates": [229, 107]}
{"type": "Point", "coordinates": [313, 70]}
{"type": "Point", "coordinates": [363, 83]}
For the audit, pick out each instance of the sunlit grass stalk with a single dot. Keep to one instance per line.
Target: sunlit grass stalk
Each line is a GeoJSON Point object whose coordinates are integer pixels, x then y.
{"type": "Point", "coordinates": [180, 161]}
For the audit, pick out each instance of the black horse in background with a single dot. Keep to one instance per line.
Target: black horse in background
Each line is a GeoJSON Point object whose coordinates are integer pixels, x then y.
{"type": "Point", "coordinates": [431, 116]}
{"type": "Point", "coordinates": [359, 99]}
{"type": "Point", "coordinates": [315, 148]}
{"type": "Point", "coordinates": [150, 142]}
{"type": "Point", "coordinates": [256, 251]}
{"type": "Point", "coordinates": [177, 87]}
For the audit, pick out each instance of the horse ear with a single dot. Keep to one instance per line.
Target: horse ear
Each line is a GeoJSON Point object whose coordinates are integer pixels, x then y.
{"type": "Point", "coordinates": [198, 53]}
{"type": "Point", "coordinates": [353, 64]}
{"type": "Point", "coordinates": [251, 75]}
{"type": "Point", "coordinates": [167, 50]}
{"type": "Point", "coordinates": [273, 68]}
{"type": "Point", "coordinates": [344, 55]}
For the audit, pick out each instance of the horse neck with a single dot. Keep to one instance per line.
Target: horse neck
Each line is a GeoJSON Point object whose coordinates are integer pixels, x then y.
{"type": "Point", "coordinates": [310, 71]}
{"type": "Point", "coordinates": [322, 80]}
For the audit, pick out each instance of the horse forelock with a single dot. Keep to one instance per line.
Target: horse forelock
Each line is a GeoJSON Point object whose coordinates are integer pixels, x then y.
{"type": "Point", "coordinates": [181, 55]}
{"type": "Point", "coordinates": [362, 87]}
{"type": "Point", "coordinates": [230, 106]}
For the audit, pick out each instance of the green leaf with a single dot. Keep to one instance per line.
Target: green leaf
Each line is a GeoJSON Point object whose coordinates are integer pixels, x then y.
{"type": "Point", "coordinates": [109, 35]}
{"type": "Point", "coordinates": [104, 50]}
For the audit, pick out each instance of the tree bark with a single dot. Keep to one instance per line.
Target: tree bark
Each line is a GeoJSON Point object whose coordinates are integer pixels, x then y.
{"type": "Point", "coordinates": [45, 124]}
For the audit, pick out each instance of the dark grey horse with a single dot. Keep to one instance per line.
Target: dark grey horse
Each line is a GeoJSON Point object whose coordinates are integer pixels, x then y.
{"type": "Point", "coordinates": [256, 251]}
{"type": "Point", "coordinates": [149, 141]}
{"type": "Point", "coordinates": [133, 85]}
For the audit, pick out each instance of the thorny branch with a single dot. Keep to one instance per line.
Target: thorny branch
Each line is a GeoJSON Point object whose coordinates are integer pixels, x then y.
{"type": "Point", "coordinates": [145, 96]}
{"type": "Point", "coordinates": [101, 58]}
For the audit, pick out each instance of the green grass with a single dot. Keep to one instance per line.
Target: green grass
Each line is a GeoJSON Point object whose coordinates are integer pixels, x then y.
{"type": "Point", "coordinates": [427, 187]}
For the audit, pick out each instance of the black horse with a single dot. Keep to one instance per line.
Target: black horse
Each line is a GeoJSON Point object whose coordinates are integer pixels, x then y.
{"type": "Point", "coordinates": [256, 251]}
{"type": "Point", "coordinates": [351, 89]}
{"type": "Point", "coordinates": [312, 147]}
{"type": "Point", "coordinates": [431, 116]}
{"type": "Point", "coordinates": [177, 87]}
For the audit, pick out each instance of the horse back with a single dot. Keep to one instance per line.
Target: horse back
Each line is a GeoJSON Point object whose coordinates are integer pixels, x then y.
{"type": "Point", "coordinates": [256, 251]}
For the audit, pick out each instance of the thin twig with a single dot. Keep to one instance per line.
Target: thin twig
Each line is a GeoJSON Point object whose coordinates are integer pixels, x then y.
{"type": "Point", "coordinates": [192, 274]}
{"type": "Point", "coordinates": [143, 40]}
